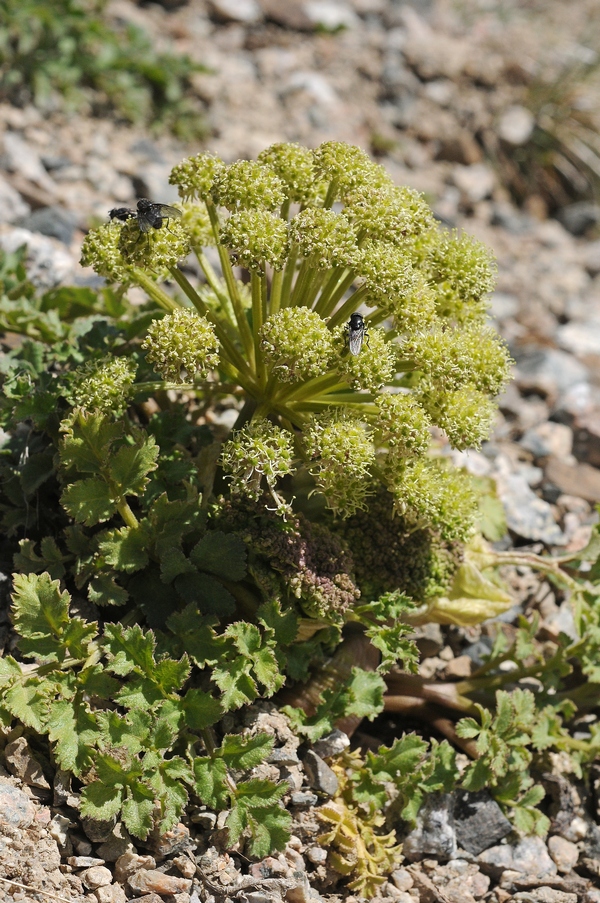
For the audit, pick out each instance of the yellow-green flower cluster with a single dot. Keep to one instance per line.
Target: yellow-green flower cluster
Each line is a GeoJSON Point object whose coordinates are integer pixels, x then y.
{"type": "Point", "coordinates": [403, 425]}
{"type": "Point", "coordinates": [388, 213]}
{"type": "Point", "coordinates": [103, 385]}
{"type": "Point", "coordinates": [297, 344]}
{"type": "Point", "coordinates": [395, 286]}
{"type": "Point", "coordinates": [324, 236]}
{"type": "Point", "coordinates": [464, 272]}
{"type": "Point", "coordinates": [256, 238]}
{"type": "Point", "coordinates": [196, 222]}
{"type": "Point", "coordinates": [295, 167]}
{"type": "Point", "coordinates": [158, 249]}
{"type": "Point", "coordinates": [466, 415]}
{"type": "Point", "coordinates": [432, 493]}
{"type": "Point", "coordinates": [347, 167]}
{"type": "Point", "coordinates": [341, 451]}
{"type": "Point", "coordinates": [100, 250]}
{"type": "Point", "coordinates": [374, 367]}
{"type": "Point", "coordinates": [182, 346]}
{"type": "Point", "coordinates": [248, 184]}
{"type": "Point", "coordinates": [195, 176]}
{"type": "Point", "coordinates": [261, 452]}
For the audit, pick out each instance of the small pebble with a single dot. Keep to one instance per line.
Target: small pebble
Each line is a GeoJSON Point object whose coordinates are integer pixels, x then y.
{"type": "Point", "coordinates": [564, 852]}
{"type": "Point", "coordinates": [97, 876]}
{"type": "Point", "coordinates": [147, 881]}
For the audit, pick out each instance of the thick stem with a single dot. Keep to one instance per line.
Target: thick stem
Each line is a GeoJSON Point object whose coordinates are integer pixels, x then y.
{"type": "Point", "coordinates": [276, 286]}
{"type": "Point", "coordinates": [288, 277]}
{"type": "Point", "coordinates": [154, 291]}
{"type": "Point", "coordinates": [257, 322]}
{"type": "Point", "coordinates": [225, 260]}
{"type": "Point", "coordinates": [349, 306]}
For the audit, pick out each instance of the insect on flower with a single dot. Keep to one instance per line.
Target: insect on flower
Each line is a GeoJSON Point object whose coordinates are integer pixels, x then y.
{"type": "Point", "coordinates": [148, 214]}
{"type": "Point", "coordinates": [357, 333]}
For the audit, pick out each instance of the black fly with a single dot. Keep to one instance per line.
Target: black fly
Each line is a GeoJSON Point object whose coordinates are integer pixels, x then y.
{"type": "Point", "coordinates": [148, 214]}
{"type": "Point", "coordinates": [357, 333]}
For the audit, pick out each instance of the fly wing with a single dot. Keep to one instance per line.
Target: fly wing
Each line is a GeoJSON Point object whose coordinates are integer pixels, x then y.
{"type": "Point", "coordinates": [144, 222]}
{"type": "Point", "coordinates": [355, 340]}
{"type": "Point", "coordinates": [168, 212]}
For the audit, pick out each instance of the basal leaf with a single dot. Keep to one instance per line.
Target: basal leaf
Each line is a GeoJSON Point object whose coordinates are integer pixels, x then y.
{"type": "Point", "coordinates": [206, 593]}
{"type": "Point", "coordinates": [130, 466]}
{"type": "Point", "coordinates": [235, 682]}
{"type": "Point", "coordinates": [200, 709]}
{"type": "Point", "coordinates": [89, 501]}
{"type": "Point", "coordinates": [211, 782]}
{"type": "Point", "coordinates": [104, 590]}
{"type": "Point", "coordinates": [241, 753]}
{"type": "Point", "coordinates": [284, 624]}
{"type": "Point", "coordinates": [138, 809]}
{"type": "Point", "coordinates": [100, 801]}
{"type": "Point", "coordinates": [29, 702]}
{"type": "Point", "coordinates": [124, 549]}
{"type": "Point", "coordinates": [129, 648]}
{"type": "Point", "coordinates": [87, 441]}
{"type": "Point", "coordinates": [72, 728]}
{"type": "Point", "coordinates": [197, 634]}
{"type": "Point", "coordinates": [222, 554]}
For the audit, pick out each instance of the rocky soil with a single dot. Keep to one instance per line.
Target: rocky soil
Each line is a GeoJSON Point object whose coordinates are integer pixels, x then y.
{"type": "Point", "coordinates": [438, 90]}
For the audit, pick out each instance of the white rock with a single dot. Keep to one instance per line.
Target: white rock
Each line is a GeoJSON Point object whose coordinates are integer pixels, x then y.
{"type": "Point", "coordinates": [476, 181]}
{"type": "Point", "coordinates": [516, 125]}
{"type": "Point", "coordinates": [330, 15]}
{"type": "Point", "coordinates": [12, 205]}
{"type": "Point", "coordinates": [47, 263]}
{"type": "Point", "coordinates": [247, 11]}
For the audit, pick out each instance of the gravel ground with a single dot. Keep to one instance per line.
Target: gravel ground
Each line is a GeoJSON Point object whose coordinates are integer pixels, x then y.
{"type": "Point", "coordinates": [436, 90]}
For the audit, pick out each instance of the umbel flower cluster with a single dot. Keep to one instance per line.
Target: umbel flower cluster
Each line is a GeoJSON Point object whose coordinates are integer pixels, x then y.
{"type": "Point", "coordinates": [304, 239]}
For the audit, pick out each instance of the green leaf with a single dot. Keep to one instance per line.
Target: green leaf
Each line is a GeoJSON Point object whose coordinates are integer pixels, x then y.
{"type": "Point", "coordinates": [138, 809]}
{"type": "Point", "coordinates": [242, 753]}
{"type": "Point", "coordinates": [128, 649]}
{"type": "Point", "coordinates": [87, 442]}
{"type": "Point", "coordinates": [104, 590]}
{"type": "Point", "coordinates": [283, 624]}
{"type": "Point", "coordinates": [130, 466]}
{"type": "Point", "coordinates": [29, 702]}
{"type": "Point", "coordinates": [124, 549]}
{"type": "Point", "coordinates": [100, 801]}
{"type": "Point", "coordinates": [89, 501]}
{"type": "Point", "coordinates": [394, 647]}
{"type": "Point", "coordinates": [211, 782]}
{"type": "Point", "coordinates": [197, 635]}
{"type": "Point", "coordinates": [399, 760]}
{"type": "Point", "coordinates": [222, 554]}
{"type": "Point", "coordinates": [206, 593]}
{"type": "Point", "coordinates": [236, 684]}
{"type": "Point", "coordinates": [72, 728]}
{"type": "Point", "coordinates": [200, 709]}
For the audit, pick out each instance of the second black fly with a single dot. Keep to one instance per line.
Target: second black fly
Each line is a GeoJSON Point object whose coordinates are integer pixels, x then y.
{"type": "Point", "coordinates": [357, 333]}
{"type": "Point", "coordinates": [148, 214]}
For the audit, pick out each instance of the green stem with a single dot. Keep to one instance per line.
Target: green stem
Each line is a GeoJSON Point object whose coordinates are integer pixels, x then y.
{"type": "Point", "coordinates": [213, 282]}
{"type": "Point", "coordinates": [331, 193]}
{"type": "Point", "coordinates": [327, 383]}
{"type": "Point", "coordinates": [256, 282]}
{"type": "Point", "coordinates": [240, 313]}
{"type": "Point", "coordinates": [227, 345]}
{"type": "Point", "coordinates": [154, 291]}
{"type": "Point", "coordinates": [288, 277]}
{"type": "Point", "coordinates": [127, 514]}
{"type": "Point", "coordinates": [349, 306]}
{"type": "Point", "coordinates": [338, 275]}
{"type": "Point", "coordinates": [276, 286]}
{"type": "Point", "coordinates": [302, 283]}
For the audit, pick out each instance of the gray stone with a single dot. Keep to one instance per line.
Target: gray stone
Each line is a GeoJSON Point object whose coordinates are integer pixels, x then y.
{"type": "Point", "coordinates": [544, 895]}
{"type": "Point", "coordinates": [21, 157]}
{"type": "Point", "coordinates": [476, 182]}
{"type": "Point", "coordinates": [16, 809]}
{"type": "Point", "coordinates": [281, 755]}
{"type": "Point", "coordinates": [478, 821]}
{"type": "Point", "coordinates": [84, 862]}
{"type": "Point", "coordinates": [516, 125]}
{"type": "Point", "coordinates": [116, 845]}
{"type": "Point", "coordinates": [12, 205]}
{"type": "Point", "coordinates": [528, 857]}
{"type": "Point", "coordinates": [320, 776]}
{"type": "Point", "coordinates": [48, 264]}
{"type": "Point", "coordinates": [434, 833]}
{"type": "Point", "coordinates": [304, 799]}
{"type": "Point", "coordinates": [55, 222]}
{"type": "Point", "coordinates": [548, 370]}
{"type": "Point", "coordinates": [579, 217]}
{"type": "Point", "coordinates": [548, 439]}
{"type": "Point", "coordinates": [564, 853]}
{"type": "Point", "coordinates": [579, 338]}
{"type": "Point", "coordinates": [245, 11]}
{"type": "Point", "coordinates": [21, 762]}
{"type": "Point", "coordinates": [330, 15]}
{"type": "Point", "coordinates": [527, 515]}
{"type": "Point", "coordinates": [97, 830]}
{"type": "Point", "coordinates": [332, 745]}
